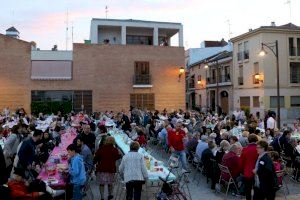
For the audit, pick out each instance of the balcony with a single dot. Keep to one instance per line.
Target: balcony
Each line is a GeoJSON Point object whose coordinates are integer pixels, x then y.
{"type": "Point", "coordinates": [240, 81]}
{"type": "Point", "coordinates": [224, 78]}
{"type": "Point", "coordinates": [144, 79]}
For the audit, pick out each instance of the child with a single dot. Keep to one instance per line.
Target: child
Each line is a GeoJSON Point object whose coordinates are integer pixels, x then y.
{"type": "Point", "coordinates": [76, 171]}
{"type": "Point", "coordinates": [277, 164]}
{"type": "Point", "coordinates": [141, 139]}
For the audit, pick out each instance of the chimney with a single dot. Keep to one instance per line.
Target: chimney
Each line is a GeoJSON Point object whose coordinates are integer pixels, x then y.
{"type": "Point", "coordinates": [33, 45]}
{"type": "Point", "coordinates": [273, 24]}
{"type": "Point", "coordinates": [13, 32]}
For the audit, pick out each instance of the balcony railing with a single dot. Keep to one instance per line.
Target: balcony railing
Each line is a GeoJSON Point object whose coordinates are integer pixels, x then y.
{"type": "Point", "coordinates": [222, 79]}
{"type": "Point", "coordinates": [144, 79]}
{"type": "Point", "coordinates": [294, 79]}
{"type": "Point", "coordinates": [240, 81]}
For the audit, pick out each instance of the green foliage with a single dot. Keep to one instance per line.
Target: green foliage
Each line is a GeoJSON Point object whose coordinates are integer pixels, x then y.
{"type": "Point", "coordinates": [246, 109]}
{"type": "Point", "coordinates": [49, 107]}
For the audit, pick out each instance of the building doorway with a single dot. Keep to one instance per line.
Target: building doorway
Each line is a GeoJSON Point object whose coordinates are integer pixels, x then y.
{"type": "Point", "coordinates": [193, 100]}
{"type": "Point", "coordinates": [224, 102]}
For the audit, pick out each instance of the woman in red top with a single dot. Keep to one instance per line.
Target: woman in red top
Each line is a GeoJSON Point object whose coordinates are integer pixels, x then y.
{"type": "Point", "coordinates": [105, 158]}
{"type": "Point", "coordinates": [247, 163]}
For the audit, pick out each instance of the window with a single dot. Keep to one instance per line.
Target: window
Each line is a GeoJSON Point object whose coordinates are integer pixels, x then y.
{"type": "Point", "coordinates": [256, 102]}
{"type": "Point", "coordinates": [240, 78]}
{"type": "Point", "coordinates": [245, 102]}
{"type": "Point", "coordinates": [141, 73]}
{"type": "Point", "coordinates": [227, 73]}
{"type": "Point", "coordinates": [246, 50]}
{"type": "Point", "coordinates": [295, 101]}
{"type": "Point", "coordinates": [51, 101]}
{"type": "Point", "coordinates": [200, 100]}
{"type": "Point", "coordinates": [255, 71]}
{"type": "Point", "coordinates": [291, 47]}
{"type": "Point", "coordinates": [240, 52]}
{"type": "Point", "coordinates": [273, 102]}
{"type": "Point", "coordinates": [199, 78]}
{"type": "Point", "coordinates": [295, 72]}
{"type": "Point", "coordinates": [256, 68]}
{"type": "Point", "coordinates": [142, 101]}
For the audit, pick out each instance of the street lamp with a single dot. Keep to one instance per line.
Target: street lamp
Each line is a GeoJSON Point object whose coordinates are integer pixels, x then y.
{"type": "Point", "coordinates": [273, 47]}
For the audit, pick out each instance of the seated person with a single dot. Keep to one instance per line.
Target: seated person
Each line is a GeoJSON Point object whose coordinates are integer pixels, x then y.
{"type": "Point", "coordinates": [141, 139]}
{"type": "Point", "coordinates": [231, 160]}
{"type": "Point", "coordinates": [36, 190]}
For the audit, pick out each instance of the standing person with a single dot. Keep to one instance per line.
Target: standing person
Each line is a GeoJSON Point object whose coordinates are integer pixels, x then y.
{"type": "Point", "coordinates": [248, 159]}
{"type": "Point", "coordinates": [266, 179]}
{"type": "Point", "coordinates": [11, 145]}
{"type": "Point", "coordinates": [77, 172]}
{"type": "Point", "coordinates": [26, 153]}
{"type": "Point", "coordinates": [271, 124]}
{"type": "Point", "coordinates": [86, 154]}
{"type": "Point", "coordinates": [105, 158]}
{"type": "Point", "coordinates": [88, 137]}
{"type": "Point", "coordinates": [135, 172]}
{"type": "Point", "coordinates": [176, 143]}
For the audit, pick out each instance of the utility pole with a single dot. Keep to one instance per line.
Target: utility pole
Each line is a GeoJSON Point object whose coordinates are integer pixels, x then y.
{"type": "Point", "coordinates": [67, 29]}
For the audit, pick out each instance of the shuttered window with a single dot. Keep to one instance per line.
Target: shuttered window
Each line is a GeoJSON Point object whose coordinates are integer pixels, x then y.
{"type": "Point", "coordinates": [245, 102]}
{"type": "Point", "coordinates": [142, 101]}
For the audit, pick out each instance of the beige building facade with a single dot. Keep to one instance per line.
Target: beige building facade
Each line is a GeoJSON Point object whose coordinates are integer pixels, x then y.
{"type": "Point", "coordinates": [255, 76]}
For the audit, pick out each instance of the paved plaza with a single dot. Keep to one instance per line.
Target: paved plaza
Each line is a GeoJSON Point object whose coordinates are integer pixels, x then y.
{"type": "Point", "coordinates": [199, 189]}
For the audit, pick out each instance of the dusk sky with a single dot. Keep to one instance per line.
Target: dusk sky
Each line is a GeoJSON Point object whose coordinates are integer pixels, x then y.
{"type": "Point", "coordinates": [44, 21]}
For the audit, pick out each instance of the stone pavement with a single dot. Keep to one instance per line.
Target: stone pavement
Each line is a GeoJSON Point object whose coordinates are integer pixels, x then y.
{"type": "Point", "coordinates": [199, 189]}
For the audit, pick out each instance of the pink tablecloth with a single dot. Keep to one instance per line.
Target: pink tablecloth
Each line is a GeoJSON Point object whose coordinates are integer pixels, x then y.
{"type": "Point", "coordinates": [66, 139]}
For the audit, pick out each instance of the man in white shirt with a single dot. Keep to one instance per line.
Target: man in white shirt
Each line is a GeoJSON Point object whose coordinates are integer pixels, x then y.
{"type": "Point", "coordinates": [271, 124]}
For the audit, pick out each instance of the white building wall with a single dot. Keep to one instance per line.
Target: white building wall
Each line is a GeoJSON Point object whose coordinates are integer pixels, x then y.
{"type": "Point", "coordinates": [113, 34]}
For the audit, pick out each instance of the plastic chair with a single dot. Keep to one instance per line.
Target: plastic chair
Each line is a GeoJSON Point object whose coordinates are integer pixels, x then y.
{"type": "Point", "coordinates": [225, 170]}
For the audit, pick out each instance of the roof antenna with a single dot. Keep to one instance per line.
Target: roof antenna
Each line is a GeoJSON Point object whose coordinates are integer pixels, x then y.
{"type": "Point", "coordinates": [67, 29]}
{"type": "Point", "coordinates": [106, 11]}
{"type": "Point", "coordinates": [289, 2]}
{"type": "Point", "coordinates": [229, 29]}
{"type": "Point", "coordinates": [72, 33]}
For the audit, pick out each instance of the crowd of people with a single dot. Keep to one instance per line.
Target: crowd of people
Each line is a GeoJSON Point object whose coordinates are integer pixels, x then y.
{"type": "Point", "coordinates": [252, 149]}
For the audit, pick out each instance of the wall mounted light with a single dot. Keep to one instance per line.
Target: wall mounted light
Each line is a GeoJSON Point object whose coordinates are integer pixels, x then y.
{"type": "Point", "coordinates": [257, 78]}
{"type": "Point", "coordinates": [181, 71]}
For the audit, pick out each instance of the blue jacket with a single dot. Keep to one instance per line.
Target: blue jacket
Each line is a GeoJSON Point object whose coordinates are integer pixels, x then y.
{"type": "Point", "coordinates": [77, 171]}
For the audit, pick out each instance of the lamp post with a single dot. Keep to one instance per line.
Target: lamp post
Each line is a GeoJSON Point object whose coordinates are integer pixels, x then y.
{"type": "Point", "coordinates": [273, 47]}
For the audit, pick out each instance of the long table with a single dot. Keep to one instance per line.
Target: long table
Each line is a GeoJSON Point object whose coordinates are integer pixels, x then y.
{"type": "Point", "coordinates": [66, 139]}
{"type": "Point", "coordinates": [123, 141]}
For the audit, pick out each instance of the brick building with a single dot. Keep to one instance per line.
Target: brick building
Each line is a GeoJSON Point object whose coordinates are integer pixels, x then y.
{"type": "Point", "coordinates": [141, 71]}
